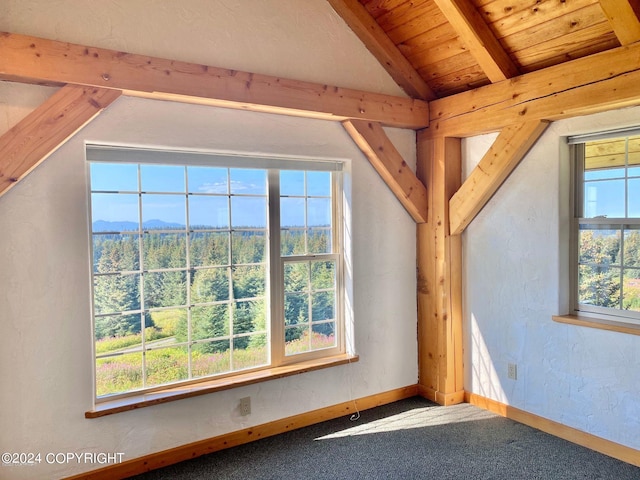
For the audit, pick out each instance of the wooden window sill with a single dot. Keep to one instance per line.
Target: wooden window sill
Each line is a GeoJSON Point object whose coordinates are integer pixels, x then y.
{"type": "Point", "coordinates": [601, 324]}
{"type": "Point", "coordinates": [173, 393]}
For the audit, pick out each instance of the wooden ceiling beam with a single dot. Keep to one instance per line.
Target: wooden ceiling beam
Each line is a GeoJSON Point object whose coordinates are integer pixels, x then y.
{"type": "Point", "coordinates": [596, 83]}
{"type": "Point", "coordinates": [40, 133]}
{"type": "Point", "coordinates": [479, 39]}
{"type": "Point", "coordinates": [623, 18]}
{"type": "Point", "coordinates": [37, 60]}
{"type": "Point", "coordinates": [503, 157]}
{"type": "Point", "coordinates": [388, 162]}
{"type": "Point", "coordinates": [383, 49]}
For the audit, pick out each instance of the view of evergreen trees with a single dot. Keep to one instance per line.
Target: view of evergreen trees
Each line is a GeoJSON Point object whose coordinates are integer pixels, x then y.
{"type": "Point", "coordinates": [603, 258]}
{"type": "Point", "coordinates": [238, 281]}
{"type": "Point", "coordinates": [181, 276]}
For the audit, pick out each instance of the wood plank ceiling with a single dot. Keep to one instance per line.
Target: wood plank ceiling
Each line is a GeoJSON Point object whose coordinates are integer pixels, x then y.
{"type": "Point", "coordinates": [451, 44]}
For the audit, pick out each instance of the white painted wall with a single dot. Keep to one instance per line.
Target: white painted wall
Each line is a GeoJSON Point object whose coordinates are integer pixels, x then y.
{"type": "Point", "coordinates": [45, 333]}
{"type": "Point", "coordinates": [298, 39]}
{"type": "Point", "coordinates": [515, 271]}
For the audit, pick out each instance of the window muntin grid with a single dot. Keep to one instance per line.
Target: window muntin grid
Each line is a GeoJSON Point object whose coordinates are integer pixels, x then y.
{"type": "Point", "coordinates": [310, 270]}
{"type": "Point", "coordinates": [607, 227]}
{"type": "Point", "coordinates": [207, 284]}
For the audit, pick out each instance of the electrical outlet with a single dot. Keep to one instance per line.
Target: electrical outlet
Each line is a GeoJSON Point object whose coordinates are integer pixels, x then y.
{"type": "Point", "coordinates": [512, 371]}
{"type": "Point", "coordinates": [245, 406]}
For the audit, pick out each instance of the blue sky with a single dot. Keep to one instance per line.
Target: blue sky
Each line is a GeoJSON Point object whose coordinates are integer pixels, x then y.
{"type": "Point", "coordinates": [171, 205]}
{"type": "Point", "coordinates": [604, 193]}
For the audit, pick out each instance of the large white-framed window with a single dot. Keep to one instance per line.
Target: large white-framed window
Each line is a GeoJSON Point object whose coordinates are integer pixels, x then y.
{"type": "Point", "coordinates": [211, 265]}
{"type": "Point", "coordinates": [606, 225]}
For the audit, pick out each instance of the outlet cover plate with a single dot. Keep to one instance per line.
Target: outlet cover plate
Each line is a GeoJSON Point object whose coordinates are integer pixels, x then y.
{"type": "Point", "coordinates": [245, 406]}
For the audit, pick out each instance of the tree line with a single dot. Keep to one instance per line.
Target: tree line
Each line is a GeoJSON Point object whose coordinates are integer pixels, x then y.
{"type": "Point", "coordinates": [238, 280]}
{"type": "Point", "coordinates": [601, 258]}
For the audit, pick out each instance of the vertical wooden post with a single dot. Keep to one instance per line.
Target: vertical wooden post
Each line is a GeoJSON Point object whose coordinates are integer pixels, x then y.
{"type": "Point", "coordinates": [439, 275]}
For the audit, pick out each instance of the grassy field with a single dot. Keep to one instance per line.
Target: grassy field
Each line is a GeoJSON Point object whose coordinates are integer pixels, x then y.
{"type": "Point", "coordinates": [123, 372]}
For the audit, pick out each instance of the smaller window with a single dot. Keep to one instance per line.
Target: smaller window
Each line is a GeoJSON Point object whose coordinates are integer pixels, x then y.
{"type": "Point", "coordinates": [606, 227]}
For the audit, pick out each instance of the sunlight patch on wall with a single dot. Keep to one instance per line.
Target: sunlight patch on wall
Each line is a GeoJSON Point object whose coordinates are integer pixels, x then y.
{"type": "Point", "coordinates": [485, 380]}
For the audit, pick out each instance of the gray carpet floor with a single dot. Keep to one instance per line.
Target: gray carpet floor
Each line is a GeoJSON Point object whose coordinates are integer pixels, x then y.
{"type": "Point", "coordinates": [410, 439]}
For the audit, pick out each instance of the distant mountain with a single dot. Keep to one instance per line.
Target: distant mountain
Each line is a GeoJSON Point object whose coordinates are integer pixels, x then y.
{"type": "Point", "coordinates": [155, 224]}
{"type": "Point", "coordinates": [160, 225]}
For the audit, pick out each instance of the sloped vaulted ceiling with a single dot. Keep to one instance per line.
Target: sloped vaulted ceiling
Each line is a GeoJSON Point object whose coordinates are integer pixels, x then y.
{"type": "Point", "coordinates": [459, 45]}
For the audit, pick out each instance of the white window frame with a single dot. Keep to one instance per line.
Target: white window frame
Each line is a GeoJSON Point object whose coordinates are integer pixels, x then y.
{"type": "Point", "coordinates": [275, 267]}
{"type": "Point", "coordinates": [597, 313]}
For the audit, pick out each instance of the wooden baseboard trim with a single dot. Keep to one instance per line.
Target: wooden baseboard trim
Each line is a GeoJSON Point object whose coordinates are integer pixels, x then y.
{"type": "Point", "coordinates": [440, 398]}
{"type": "Point", "coordinates": [221, 442]}
{"type": "Point", "coordinates": [601, 445]}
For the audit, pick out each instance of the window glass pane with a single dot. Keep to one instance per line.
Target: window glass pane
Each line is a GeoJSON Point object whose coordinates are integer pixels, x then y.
{"type": "Point", "coordinates": [116, 293]}
{"type": "Point", "coordinates": [292, 212]}
{"type": "Point", "coordinates": [605, 198]}
{"type": "Point", "coordinates": [248, 317]}
{"type": "Point", "coordinates": [631, 291]}
{"type": "Point", "coordinates": [166, 365]}
{"type": "Point", "coordinates": [114, 177]}
{"type": "Point", "coordinates": [249, 282]}
{"type": "Point", "coordinates": [208, 180]}
{"type": "Point", "coordinates": [604, 174]}
{"type": "Point", "coordinates": [248, 181]}
{"type": "Point", "coordinates": [114, 253]}
{"type": "Point", "coordinates": [209, 249]}
{"type": "Point", "coordinates": [250, 339]}
{"type": "Point", "coordinates": [210, 358]}
{"type": "Point", "coordinates": [165, 289]}
{"type": "Point", "coordinates": [248, 247]}
{"type": "Point", "coordinates": [164, 250]}
{"type": "Point", "coordinates": [319, 184]}
{"type": "Point", "coordinates": [112, 212]}
{"type": "Point", "coordinates": [291, 183]}
{"type": "Point", "coordinates": [323, 306]}
{"type": "Point", "coordinates": [632, 248]}
{"type": "Point", "coordinates": [599, 246]}
{"type": "Point", "coordinates": [210, 322]}
{"type": "Point", "coordinates": [249, 212]}
{"type": "Point", "coordinates": [599, 286]}
{"type": "Point", "coordinates": [634, 198]}
{"type": "Point", "coordinates": [634, 172]}
{"type": "Point", "coordinates": [323, 336]}
{"type": "Point", "coordinates": [292, 242]}
{"type": "Point", "coordinates": [118, 374]}
{"type": "Point", "coordinates": [162, 178]}
{"type": "Point", "coordinates": [296, 277]}
{"type": "Point", "coordinates": [297, 340]}
{"type": "Point", "coordinates": [168, 326]}
{"type": "Point", "coordinates": [115, 332]}
{"type": "Point", "coordinates": [208, 212]}
{"type": "Point", "coordinates": [319, 212]}
{"type": "Point", "coordinates": [163, 212]}
{"type": "Point", "coordinates": [296, 308]}
{"type": "Point", "coordinates": [250, 351]}
{"type": "Point", "coordinates": [319, 240]}
{"type": "Point", "coordinates": [210, 285]}
{"type": "Point", "coordinates": [323, 275]}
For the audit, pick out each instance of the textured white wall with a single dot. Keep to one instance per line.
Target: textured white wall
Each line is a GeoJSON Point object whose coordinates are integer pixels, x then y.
{"type": "Point", "coordinates": [516, 270]}
{"type": "Point", "coordinates": [45, 334]}
{"type": "Point", "coordinates": [298, 39]}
